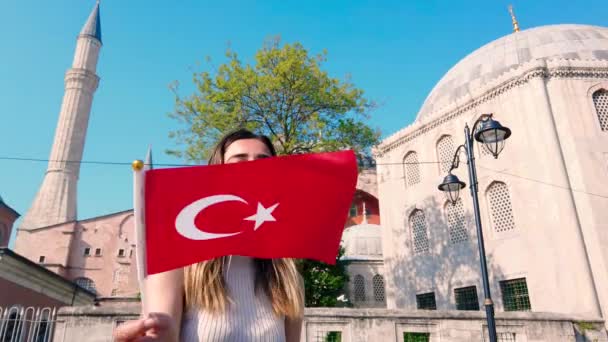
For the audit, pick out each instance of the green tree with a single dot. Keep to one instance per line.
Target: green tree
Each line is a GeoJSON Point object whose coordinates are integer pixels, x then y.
{"type": "Point", "coordinates": [323, 283]}
{"type": "Point", "coordinates": [285, 94]}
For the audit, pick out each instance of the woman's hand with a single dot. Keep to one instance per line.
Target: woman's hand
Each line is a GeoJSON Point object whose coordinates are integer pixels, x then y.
{"type": "Point", "coordinates": [155, 327]}
{"type": "Point", "coordinates": [164, 301]}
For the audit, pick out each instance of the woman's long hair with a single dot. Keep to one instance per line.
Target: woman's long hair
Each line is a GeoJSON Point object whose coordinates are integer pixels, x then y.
{"type": "Point", "coordinates": [204, 286]}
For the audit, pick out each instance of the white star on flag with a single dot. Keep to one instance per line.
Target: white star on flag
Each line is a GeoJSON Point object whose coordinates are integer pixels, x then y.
{"type": "Point", "coordinates": [262, 215]}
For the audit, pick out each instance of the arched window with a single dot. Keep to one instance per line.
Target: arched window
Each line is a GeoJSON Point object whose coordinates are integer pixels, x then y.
{"type": "Point", "coordinates": [43, 330]}
{"type": "Point", "coordinates": [411, 169]}
{"type": "Point", "coordinates": [600, 100]}
{"type": "Point", "coordinates": [500, 207]}
{"type": "Point", "coordinates": [86, 283]}
{"type": "Point", "coordinates": [455, 217]}
{"type": "Point", "coordinates": [419, 234]}
{"type": "Point", "coordinates": [378, 281]}
{"type": "Point", "coordinates": [359, 284]}
{"type": "Point", "coordinates": [445, 153]}
{"type": "Point", "coordinates": [13, 326]}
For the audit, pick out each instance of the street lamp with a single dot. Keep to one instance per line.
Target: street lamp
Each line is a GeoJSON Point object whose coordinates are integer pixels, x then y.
{"type": "Point", "coordinates": [493, 135]}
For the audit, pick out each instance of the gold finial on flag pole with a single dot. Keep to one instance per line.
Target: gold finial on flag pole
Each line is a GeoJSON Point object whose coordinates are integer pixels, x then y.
{"type": "Point", "coordinates": [137, 165]}
{"type": "Point", "coordinates": [513, 19]}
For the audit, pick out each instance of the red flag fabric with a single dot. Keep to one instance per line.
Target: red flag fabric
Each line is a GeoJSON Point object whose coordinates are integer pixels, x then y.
{"type": "Point", "coordinates": [293, 206]}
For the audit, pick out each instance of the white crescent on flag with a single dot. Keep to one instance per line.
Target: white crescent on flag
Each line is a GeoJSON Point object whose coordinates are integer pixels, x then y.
{"type": "Point", "coordinates": [184, 223]}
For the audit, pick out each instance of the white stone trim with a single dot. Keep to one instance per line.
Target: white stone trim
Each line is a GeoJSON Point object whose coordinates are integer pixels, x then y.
{"type": "Point", "coordinates": [543, 69]}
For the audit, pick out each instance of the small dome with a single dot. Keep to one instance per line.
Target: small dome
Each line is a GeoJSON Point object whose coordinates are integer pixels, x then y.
{"type": "Point", "coordinates": [362, 242]}
{"type": "Point", "coordinates": [578, 42]}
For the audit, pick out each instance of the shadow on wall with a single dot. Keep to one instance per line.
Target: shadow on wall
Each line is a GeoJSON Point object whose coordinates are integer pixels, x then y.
{"type": "Point", "coordinates": [444, 265]}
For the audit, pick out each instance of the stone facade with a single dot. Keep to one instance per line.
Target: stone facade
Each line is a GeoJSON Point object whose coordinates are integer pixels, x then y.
{"type": "Point", "coordinates": [543, 201]}
{"type": "Point", "coordinates": [96, 324]}
{"type": "Point", "coordinates": [98, 252]}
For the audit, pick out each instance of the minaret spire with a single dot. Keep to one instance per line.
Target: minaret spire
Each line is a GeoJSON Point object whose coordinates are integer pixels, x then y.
{"type": "Point", "coordinates": [56, 199]}
{"type": "Point", "coordinates": [92, 27]}
{"type": "Point", "coordinates": [148, 162]}
{"type": "Point", "coordinates": [513, 19]}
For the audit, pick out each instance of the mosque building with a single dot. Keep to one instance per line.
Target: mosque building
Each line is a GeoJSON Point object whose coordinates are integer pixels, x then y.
{"type": "Point", "coordinates": [543, 201]}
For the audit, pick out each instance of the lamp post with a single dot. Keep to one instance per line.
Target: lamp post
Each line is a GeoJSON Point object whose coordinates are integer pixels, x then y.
{"type": "Point", "coordinates": [493, 135]}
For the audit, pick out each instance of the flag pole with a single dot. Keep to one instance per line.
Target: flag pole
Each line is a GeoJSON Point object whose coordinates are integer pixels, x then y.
{"type": "Point", "coordinates": [139, 174]}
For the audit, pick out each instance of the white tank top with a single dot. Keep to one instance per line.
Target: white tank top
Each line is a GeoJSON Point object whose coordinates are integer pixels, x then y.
{"type": "Point", "coordinates": [249, 319]}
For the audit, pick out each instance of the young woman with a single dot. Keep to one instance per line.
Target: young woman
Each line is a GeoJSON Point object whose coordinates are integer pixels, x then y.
{"type": "Point", "coordinates": [232, 298]}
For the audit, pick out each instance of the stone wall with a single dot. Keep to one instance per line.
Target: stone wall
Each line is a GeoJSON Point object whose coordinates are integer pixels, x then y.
{"type": "Point", "coordinates": [96, 323]}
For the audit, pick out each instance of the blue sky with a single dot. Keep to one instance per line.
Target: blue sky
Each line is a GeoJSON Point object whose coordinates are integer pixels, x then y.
{"type": "Point", "coordinates": [395, 50]}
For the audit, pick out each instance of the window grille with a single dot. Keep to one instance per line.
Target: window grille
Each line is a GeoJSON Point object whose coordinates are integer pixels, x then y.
{"type": "Point", "coordinates": [41, 259]}
{"type": "Point", "coordinates": [121, 252]}
{"type": "Point", "coordinates": [505, 337]}
{"type": "Point", "coordinates": [419, 234]}
{"type": "Point", "coordinates": [500, 207]}
{"type": "Point", "coordinates": [426, 301]}
{"type": "Point", "coordinates": [86, 283]}
{"type": "Point", "coordinates": [600, 100]}
{"type": "Point", "coordinates": [98, 252]}
{"type": "Point", "coordinates": [378, 281]}
{"type": "Point", "coordinates": [328, 336]}
{"type": "Point", "coordinates": [87, 251]}
{"type": "Point", "coordinates": [456, 224]}
{"type": "Point", "coordinates": [359, 284]}
{"type": "Point", "coordinates": [19, 323]}
{"type": "Point", "coordinates": [466, 298]}
{"type": "Point", "coordinates": [515, 295]}
{"type": "Point", "coordinates": [445, 153]}
{"type": "Point", "coordinates": [500, 336]}
{"type": "Point", "coordinates": [416, 337]}
{"type": "Point", "coordinates": [411, 169]}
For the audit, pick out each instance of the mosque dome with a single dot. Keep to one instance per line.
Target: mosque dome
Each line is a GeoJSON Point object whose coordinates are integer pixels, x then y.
{"type": "Point", "coordinates": [362, 242]}
{"type": "Point", "coordinates": [573, 42]}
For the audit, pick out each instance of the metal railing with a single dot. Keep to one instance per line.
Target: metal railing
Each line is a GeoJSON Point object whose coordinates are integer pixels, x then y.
{"type": "Point", "coordinates": [27, 324]}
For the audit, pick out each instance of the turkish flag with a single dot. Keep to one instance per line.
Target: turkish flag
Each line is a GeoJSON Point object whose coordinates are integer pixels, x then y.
{"type": "Point", "coordinates": [293, 207]}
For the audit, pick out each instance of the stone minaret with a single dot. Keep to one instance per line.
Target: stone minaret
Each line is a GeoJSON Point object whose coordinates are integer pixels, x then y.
{"type": "Point", "coordinates": [56, 199]}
